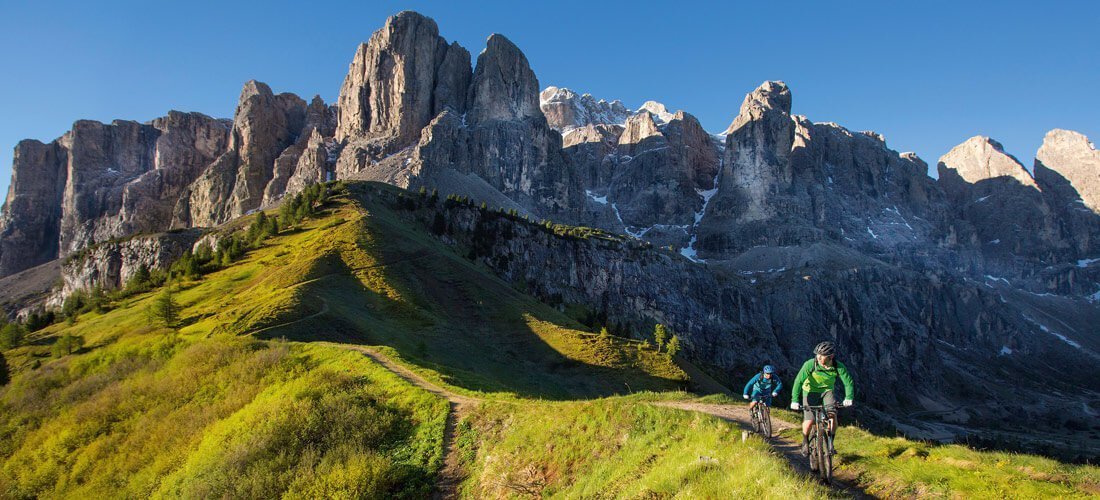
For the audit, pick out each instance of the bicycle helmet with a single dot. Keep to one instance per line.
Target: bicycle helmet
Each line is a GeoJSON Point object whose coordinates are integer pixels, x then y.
{"type": "Point", "coordinates": [825, 349]}
{"type": "Point", "coordinates": [769, 369]}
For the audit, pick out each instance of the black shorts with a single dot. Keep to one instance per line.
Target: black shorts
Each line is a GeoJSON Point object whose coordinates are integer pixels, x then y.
{"type": "Point", "coordinates": [825, 399]}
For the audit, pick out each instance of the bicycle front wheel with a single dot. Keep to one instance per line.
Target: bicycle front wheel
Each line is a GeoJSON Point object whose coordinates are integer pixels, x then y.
{"type": "Point", "coordinates": [824, 461]}
{"type": "Point", "coordinates": [766, 422]}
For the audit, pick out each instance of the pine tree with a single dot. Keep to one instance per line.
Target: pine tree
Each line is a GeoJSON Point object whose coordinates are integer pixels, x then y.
{"type": "Point", "coordinates": [673, 346]}
{"type": "Point", "coordinates": [66, 345]}
{"type": "Point", "coordinates": [164, 309]}
{"type": "Point", "coordinates": [659, 336]}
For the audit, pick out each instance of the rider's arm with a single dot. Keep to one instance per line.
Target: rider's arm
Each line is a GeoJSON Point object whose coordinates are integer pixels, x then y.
{"type": "Point", "coordinates": [796, 387]}
{"type": "Point", "coordinates": [749, 385]}
{"type": "Point", "coordinates": [846, 379]}
{"type": "Point", "coordinates": [778, 385]}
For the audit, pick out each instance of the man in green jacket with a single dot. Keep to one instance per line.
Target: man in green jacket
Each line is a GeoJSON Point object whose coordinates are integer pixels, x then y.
{"type": "Point", "coordinates": [814, 386]}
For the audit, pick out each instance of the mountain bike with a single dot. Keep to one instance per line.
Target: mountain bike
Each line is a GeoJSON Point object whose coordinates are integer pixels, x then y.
{"type": "Point", "coordinates": [762, 417]}
{"type": "Point", "coordinates": [821, 443]}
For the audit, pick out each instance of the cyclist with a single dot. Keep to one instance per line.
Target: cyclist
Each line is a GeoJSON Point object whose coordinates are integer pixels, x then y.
{"type": "Point", "coordinates": [814, 385]}
{"type": "Point", "coordinates": [765, 386]}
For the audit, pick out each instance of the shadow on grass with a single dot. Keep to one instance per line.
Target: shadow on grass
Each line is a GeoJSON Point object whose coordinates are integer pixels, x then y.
{"type": "Point", "coordinates": [441, 312]}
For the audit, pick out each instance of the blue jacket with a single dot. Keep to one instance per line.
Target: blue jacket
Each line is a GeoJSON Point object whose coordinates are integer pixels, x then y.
{"type": "Point", "coordinates": [763, 385]}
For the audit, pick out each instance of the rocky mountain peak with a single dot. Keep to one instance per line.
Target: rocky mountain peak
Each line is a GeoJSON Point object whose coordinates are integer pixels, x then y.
{"type": "Point", "coordinates": [390, 88]}
{"type": "Point", "coordinates": [1070, 155]}
{"type": "Point", "coordinates": [503, 86]}
{"type": "Point", "coordinates": [659, 111]}
{"type": "Point", "coordinates": [639, 127]}
{"type": "Point", "coordinates": [981, 158]}
{"type": "Point", "coordinates": [769, 96]}
{"type": "Point", "coordinates": [565, 109]}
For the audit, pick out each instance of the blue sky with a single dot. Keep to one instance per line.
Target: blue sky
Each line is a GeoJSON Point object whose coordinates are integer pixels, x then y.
{"type": "Point", "coordinates": [927, 74]}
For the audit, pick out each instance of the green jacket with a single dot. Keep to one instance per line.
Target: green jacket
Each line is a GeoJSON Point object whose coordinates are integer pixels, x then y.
{"type": "Point", "coordinates": [816, 378]}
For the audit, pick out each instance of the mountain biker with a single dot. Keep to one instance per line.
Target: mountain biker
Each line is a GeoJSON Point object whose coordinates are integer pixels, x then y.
{"type": "Point", "coordinates": [814, 384]}
{"type": "Point", "coordinates": [765, 386]}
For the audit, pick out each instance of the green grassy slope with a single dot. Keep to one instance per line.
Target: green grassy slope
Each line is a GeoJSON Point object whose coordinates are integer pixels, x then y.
{"type": "Point", "coordinates": [619, 447]}
{"type": "Point", "coordinates": [148, 415]}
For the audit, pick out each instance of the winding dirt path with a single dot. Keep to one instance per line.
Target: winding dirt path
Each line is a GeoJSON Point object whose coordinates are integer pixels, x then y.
{"type": "Point", "coordinates": [843, 481]}
{"type": "Point", "coordinates": [451, 474]}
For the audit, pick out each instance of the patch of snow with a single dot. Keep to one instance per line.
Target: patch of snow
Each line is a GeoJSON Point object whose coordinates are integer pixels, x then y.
{"type": "Point", "coordinates": [602, 200]}
{"type": "Point", "coordinates": [872, 233]}
{"type": "Point", "coordinates": [1005, 351]}
{"type": "Point", "coordinates": [994, 278]}
{"type": "Point", "coordinates": [753, 281]}
{"type": "Point", "coordinates": [690, 252]}
{"type": "Point", "coordinates": [1061, 337]}
{"type": "Point", "coordinates": [830, 179]}
{"type": "Point", "coordinates": [995, 242]}
{"type": "Point", "coordinates": [750, 273]}
{"type": "Point", "coordinates": [111, 170]}
{"type": "Point", "coordinates": [983, 198]}
{"type": "Point", "coordinates": [1086, 262]}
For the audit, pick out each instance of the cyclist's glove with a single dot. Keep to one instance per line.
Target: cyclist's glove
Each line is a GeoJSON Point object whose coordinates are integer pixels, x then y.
{"type": "Point", "coordinates": [847, 402]}
{"type": "Point", "coordinates": [746, 396]}
{"type": "Point", "coordinates": [795, 406]}
{"type": "Point", "coordinates": [774, 394]}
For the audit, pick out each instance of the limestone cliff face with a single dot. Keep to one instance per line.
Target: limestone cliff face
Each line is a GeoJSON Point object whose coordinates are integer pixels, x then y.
{"type": "Point", "coordinates": [397, 82]}
{"type": "Point", "coordinates": [993, 192]}
{"type": "Point", "coordinates": [102, 181]}
{"type": "Point", "coordinates": [895, 323]}
{"type": "Point", "coordinates": [31, 220]}
{"type": "Point", "coordinates": [264, 126]}
{"type": "Point", "coordinates": [1067, 168]}
{"type": "Point", "coordinates": [110, 265]}
{"type": "Point", "coordinates": [490, 140]}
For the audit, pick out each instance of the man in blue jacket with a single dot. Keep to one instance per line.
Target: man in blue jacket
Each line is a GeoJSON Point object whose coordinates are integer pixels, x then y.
{"type": "Point", "coordinates": [765, 385]}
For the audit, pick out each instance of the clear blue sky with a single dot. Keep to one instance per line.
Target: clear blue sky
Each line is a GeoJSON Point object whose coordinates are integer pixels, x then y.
{"type": "Point", "coordinates": [927, 75]}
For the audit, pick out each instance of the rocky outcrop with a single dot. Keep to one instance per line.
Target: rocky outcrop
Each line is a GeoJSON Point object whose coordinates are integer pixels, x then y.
{"type": "Point", "coordinates": [1070, 155]}
{"type": "Point", "coordinates": [661, 172]}
{"type": "Point", "coordinates": [31, 220]}
{"type": "Point", "coordinates": [1067, 168]}
{"type": "Point", "coordinates": [398, 81]}
{"type": "Point", "coordinates": [110, 265]}
{"type": "Point", "coordinates": [993, 192]}
{"type": "Point", "coordinates": [565, 109]}
{"type": "Point", "coordinates": [102, 181]}
{"type": "Point", "coordinates": [310, 154]}
{"type": "Point", "coordinates": [264, 126]}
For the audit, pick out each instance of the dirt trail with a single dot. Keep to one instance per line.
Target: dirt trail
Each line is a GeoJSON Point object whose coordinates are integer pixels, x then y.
{"type": "Point", "coordinates": [844, 482]}
{"type": "Point", "coordinates": [451, 474]}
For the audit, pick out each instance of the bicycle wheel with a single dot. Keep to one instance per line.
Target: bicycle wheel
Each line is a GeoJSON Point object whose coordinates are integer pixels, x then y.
{"type": "Point", "coordinates": [824, 462]}
{"type": "Point", "coordinates": [766, 422]}
{"type": "Point", "coordinates": [812, 444]}
{"type": "Point", "coordinates": [755, 413]}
